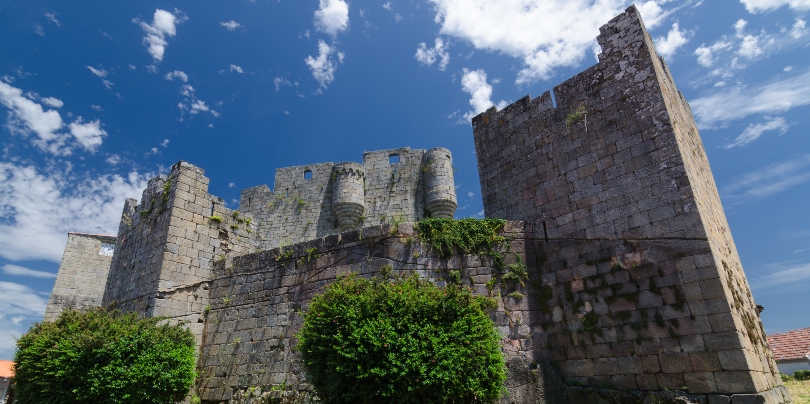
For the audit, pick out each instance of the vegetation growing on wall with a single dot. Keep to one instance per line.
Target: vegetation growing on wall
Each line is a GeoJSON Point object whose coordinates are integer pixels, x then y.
{"type": "Point", "coordinates": [103, 356]}
{"type": "Point", "coordinates": [471, 236]}
{"type": "Point", "coordinates": [403, 341]}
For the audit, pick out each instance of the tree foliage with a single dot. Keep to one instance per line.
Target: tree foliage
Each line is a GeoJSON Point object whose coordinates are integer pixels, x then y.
{"type": "Point", "coordinates": [401, 341]}
{"type": "Point", "coordinates": [103, 356]}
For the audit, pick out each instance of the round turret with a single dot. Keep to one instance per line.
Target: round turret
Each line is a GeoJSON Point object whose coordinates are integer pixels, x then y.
{"type": "Point", "coordinates": [440, 189]}
{"type": "Point", "coordinates": [348, 195]}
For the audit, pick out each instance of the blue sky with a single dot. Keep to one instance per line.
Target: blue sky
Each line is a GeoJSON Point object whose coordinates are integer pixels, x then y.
{"type": "Point", "coordinates": [98, 96]}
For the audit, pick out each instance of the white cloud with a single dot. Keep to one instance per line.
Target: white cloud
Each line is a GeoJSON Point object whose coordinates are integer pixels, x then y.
{"type": "Point", "coordinates": [231, 185]}
{"type": "Point", "coordinates": [280, 81]}
{"type": "Point", "coordinates": [113, 159]}
{"type": "Point", "coordinates": [429, 56]}
{"type": "Point", "coordinates": [39, 205]}
{"type": "Point", "coordinates": [323, 67]}
{"type": "Point", "coordinates": [784, 274]}
{"type": "Point", "coordinates": [706, 54]}
{"type": "Point", "coordinates": [770, 180]}
{"type": "Point", "coordinates": [754, 131]}
{"type": "Point", "coordinates": [52, 18]}
{"type": "Point", "coordinates": [718, 109]}
{"type": "Point", "coordinates": [90, 135]}
{"type": "Point", "coordinates": [192, 104]}
{"type": "Point", "coordinates": [545, 35]}
{"type": "Point", "coordinates": [165, 143]}
{"type": "Point", "coordinates": [750, 48]}
{"type": "Point", "coordinates": [231, 25]}
{"type": "Point", "coordinates": [26, 117]}
{"type": "Point", "coordinates": [799, 29]}
{"type": "Point", "coordinates": [52, 102]}
{"type": "Point", "coordinates": [397, 16]}
{"type": "Point", "coordinates": [332, 17]}
{"type": "Point", "coordinates": [757, 6]}
{"type": "Point", "coordinates": [474, 82]}
{"type": "Point", "coordinates": [16, 270]}
{"type": "Point", "coordinates": [738, 51]}
{"type": "Point", "coordinates": [164, 24]}
{"type": "Point", "coordinates": [98, 72]}
{"type": "Point", "coordinates": [235, 68]}
{"type": "Point", "coordinates": [177, 74]}
{"type": "Point", "coordinates": [668, 45]}
{"type": "Point", "coordinates": [19, 307]}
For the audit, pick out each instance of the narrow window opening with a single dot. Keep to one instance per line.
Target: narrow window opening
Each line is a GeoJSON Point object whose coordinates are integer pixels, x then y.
{"type": "Point", "coordinates": [287, 191]}
{"type": "Point", "coordinates": [553, 100]}
{"type": "Point", "coordinates": [308, 174]}
{"type": "Point", "coordinates": [393, 159]}
{"type": "Point", "coordinates": [212, 209]}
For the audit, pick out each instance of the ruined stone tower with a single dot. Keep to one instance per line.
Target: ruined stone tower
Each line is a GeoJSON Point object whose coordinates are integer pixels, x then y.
{"type": "Point", "coordinates": [633, 288]}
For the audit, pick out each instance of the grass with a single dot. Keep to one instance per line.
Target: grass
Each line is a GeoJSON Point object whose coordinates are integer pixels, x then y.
{"type": "Point", "coordinates": [799, 390]}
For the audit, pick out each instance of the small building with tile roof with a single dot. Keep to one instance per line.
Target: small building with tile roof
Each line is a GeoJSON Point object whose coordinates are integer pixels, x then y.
{"type": "Point", "coordinates": [791, 349]}
{"type": "Point", "coordinates": [6, 371]}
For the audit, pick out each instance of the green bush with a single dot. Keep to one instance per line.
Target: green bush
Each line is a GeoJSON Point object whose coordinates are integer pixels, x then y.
{"type": "Point", "coordinates": [801, 375]}
{"type": "Point", "coordinates": [103, 356]}
{"type": "Point", "coordinates": [403, 341]}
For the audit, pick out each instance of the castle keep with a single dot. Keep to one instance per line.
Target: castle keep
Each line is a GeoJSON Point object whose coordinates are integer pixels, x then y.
{"type": "Point", "coordinates": [634, 281]}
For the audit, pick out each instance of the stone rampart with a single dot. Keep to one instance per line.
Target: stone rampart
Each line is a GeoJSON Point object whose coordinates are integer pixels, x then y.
{"type": "Point", "coordinates": [257, 300]}
{"type": "Point", "coordinates": [619, 162]}
{"type": "Point", "coordinates": [82, 273]}
{"type": "Point", "coordinates": [389, 187]}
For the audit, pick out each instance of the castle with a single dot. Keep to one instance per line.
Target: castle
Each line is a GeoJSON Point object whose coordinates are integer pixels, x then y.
{"type": "Point", "coordinates": [634, 281]}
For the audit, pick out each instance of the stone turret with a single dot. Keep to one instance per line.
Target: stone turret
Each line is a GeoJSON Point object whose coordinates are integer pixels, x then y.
{"type": "Point", "coordinates": [440, 190]}
{"type": "Point", "coordinates": [348, 195]}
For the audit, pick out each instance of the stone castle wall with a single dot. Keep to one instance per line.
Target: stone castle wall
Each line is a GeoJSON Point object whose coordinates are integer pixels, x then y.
{"type": "Point", "coordinates": [619, 162]}
{"type": "Point", "coordinates": [634, 280]}
{"type": "Point", "coordinates": [300, 208]}
{"type": "Point", "coordinates": [168, 243]}
{"type": "Point", "coordinates": [257, 300]}
{"type": "Point", "coordinates": [82, 273]}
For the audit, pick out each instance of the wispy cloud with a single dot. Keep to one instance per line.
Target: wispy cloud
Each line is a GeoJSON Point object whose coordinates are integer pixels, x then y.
{"type": "Point", "coordinates": [727, 105]}
{"type": "Point", "coordinates": [235, 68]}
{"type": "Point", "coordinates": [177, 74]}
{"type": "Point", "coordinates": [770, 180]}
{"type": "Point", "coordinates": [16, 270]}
{"type": "Point", "coordinates": [231, 25]}
{"type": "Point", "coordinates": [783, 275]}
{"type": "Point", "coordinates": [755, 130]}
{"type": "Point", "coordinates": [324, 65]}
{"type": "Point", "coordinates": [27, 117]}
{"type": "Point", "coordinates": [19, 306]}
{"type": "Point", "coordinates": [428, 56]}
{"type": "Point", "coordinates": [758, 6]}
{"type": "Point", "coordinates": [39, 205]}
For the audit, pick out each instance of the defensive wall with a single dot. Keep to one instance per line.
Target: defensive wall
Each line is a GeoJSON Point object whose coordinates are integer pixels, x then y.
{"type": "Point", "coordinates": [619, 159]}
{"type": "Point", "coordinates": [82, 273]}
{"type": "Point", "coordinates": [635, 290]}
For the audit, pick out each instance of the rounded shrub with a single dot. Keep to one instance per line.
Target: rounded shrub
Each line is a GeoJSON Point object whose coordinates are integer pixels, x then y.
{"type": "Point", "coordinates": [103, 356]}
{"type": "Point", "coordinates": [401, 341]}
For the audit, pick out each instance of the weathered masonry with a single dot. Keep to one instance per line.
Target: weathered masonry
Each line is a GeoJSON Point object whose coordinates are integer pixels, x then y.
{"type": "Point", "coordinates": [82, 273]}
{"type": "Point", "coordinates": [634, 292]}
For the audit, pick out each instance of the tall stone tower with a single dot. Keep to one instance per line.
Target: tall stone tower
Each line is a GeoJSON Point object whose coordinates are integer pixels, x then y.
{"type": "Point", "coordinates": [615, 179]}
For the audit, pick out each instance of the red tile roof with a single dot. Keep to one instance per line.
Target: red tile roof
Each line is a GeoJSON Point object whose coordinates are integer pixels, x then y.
{"type": "Point", "coordinates": [790, 344]}
{"type": "Point", "coordinates": [6, 368]}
